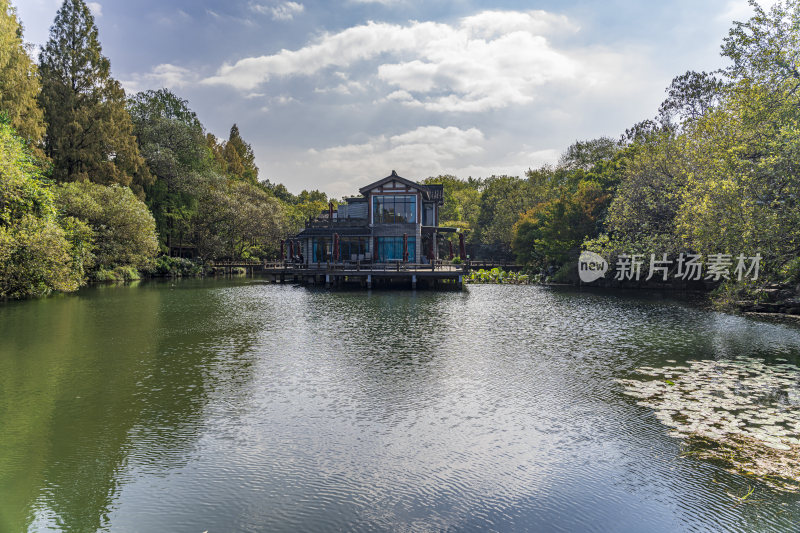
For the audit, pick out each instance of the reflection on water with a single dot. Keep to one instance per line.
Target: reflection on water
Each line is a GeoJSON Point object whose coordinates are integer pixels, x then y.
{"type": "Point", "coordinates": [245, 406]}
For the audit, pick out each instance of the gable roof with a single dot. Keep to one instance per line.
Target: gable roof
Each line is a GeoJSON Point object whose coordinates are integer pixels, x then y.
{"type": "Point", "coordinates": [387, 179]}
{"type": "Point", "coordinates": [433, 192]}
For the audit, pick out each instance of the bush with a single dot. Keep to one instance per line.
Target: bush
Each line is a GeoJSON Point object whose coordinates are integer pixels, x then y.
{"type": "Point", "coordinates": [165, 266]}
{"type": "Point", "coordinates": [791, 271]}
{"type": "Point", "coordinates": [116, 274]}
{"type": "Point", "coordinates": [124, 229]}
{"type": "Point", "coordinates": [37, 255]}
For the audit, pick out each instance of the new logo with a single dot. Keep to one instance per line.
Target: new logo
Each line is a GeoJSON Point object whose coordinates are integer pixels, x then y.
{"type": "Point", "coordinates": [591, 266]}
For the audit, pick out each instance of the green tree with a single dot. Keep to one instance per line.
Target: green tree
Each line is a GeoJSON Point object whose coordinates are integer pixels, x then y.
{"type": "Point", "coordinates": [642, 214]}
{"type": "Point", "coordinates": [586, 154]}
{"type": "Point", "coordinates": [233, 162]}
{"type": "Point", "coordinates": [37, 255]}
{"type": "Point", "coordinates": [89, 131]}
{"type": "Point", "coordinates": [240, 157]}
{"type": "Point", "coordinates": [173, 143]}
{"type": "Point", "coordinates": [504, 199]}
{"type": "Point", "coordinates": [765, 49]}
{"type": "Point", "coordinates": [217, 150]}
{"type": "Point", "coordinates": [279, 191]}
{"type": "Point", "coordinates": [237, 220]}
{"type": "Point", "coordinates": [551, 232]}
{"type": "Point", "coordinates": [123, 227]}
{"type": "Point", "coordinates": [743, 179]}
{"type": "Point", "coordinates": [690, 96]}
{"type": "Point", "coordinates": [461, 205]}
{"type": "Point", "coordinates": [743, 187]}
{"type": "Point", "coordinates": [19, 79]}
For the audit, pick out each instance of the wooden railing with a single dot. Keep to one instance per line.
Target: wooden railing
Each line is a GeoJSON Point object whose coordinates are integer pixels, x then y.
{"type": "Point", "coordinates": [488, 265]}
{"type": "Point", "coordinates": [359, 266]}
{"type": "Point", "coordinates": [227, 264]}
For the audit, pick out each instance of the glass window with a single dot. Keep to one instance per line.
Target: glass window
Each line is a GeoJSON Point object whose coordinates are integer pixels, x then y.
{"type": "Point", "coordinates": [321, 250]}
{"type": "Point", "coordinates": [353, 248]}
{"type": "Point", "coordinates": [394, 209]}
{"type": "Point", "coordinates": [391, 249]}
{"type": "Point", "coordinates": [427, 215]}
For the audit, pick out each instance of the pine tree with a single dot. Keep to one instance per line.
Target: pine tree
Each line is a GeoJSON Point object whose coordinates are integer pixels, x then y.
{"type": "Point", "coordinates": [19, 79]}
{"type": "Point", "coordinates": [233, 162]}
{"type": "Point", "coordinates": [89, 131]}
{"type": "Point", "coordinates": [247, 158]}
{"type": "Point", "coordinates": [217, 151]}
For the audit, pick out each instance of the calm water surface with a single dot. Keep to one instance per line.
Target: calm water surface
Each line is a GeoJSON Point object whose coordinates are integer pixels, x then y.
{"type": "Point", "coordinates": [227, 406]}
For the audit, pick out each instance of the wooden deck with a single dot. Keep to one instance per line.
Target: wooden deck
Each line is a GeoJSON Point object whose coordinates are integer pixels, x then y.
{"type": "Point", "coordinates": [440, 275]}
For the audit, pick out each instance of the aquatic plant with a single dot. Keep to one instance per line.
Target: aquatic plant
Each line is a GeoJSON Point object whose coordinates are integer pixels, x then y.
{"type": "Point", "coordinates": [741, 411]}
{"type": "Point", "coordinates": [497, 275]}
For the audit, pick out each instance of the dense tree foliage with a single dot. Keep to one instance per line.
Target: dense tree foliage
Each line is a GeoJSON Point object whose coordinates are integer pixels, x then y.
{"type": "Point", "coordinates": [240, 157]}
{"type": "Point", "coordinates": [717, 171]}
{"type": "Point", "coordinates": [89, 132]}
{"type": "Point", "coordinates": [172, 142]}
{"type": "Point", "coordinates": [552, 232]}
{"type": "Point", "coordinates": [19, 79]}
{"type": "Point", "coordinates": [237, 220]}
{"type": "Point", "coordinates": [461, 200]}
{"type": "Point", "coordinates": [37, 254]}
{"type": "Point", "coordinates": [122, 226]}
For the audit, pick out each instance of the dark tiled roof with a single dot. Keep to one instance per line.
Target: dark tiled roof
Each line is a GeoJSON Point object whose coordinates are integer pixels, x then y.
{"type": "Point", "coordinates": [429, 192]}
{"type": "Point", "coordinates": [352, 231]}
{"type": "Point", "coordinates": [436, 192]}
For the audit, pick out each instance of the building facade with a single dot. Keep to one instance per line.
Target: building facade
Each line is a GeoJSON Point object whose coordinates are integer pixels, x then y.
{"type": "Point", "coordinates": [394, 219]}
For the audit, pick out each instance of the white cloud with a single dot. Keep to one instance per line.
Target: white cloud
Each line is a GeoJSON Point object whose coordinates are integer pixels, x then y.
{"type": "Point", "coordinates": [420, 152]}
{"type": "Point", "coordinates": [283, 99]}
{"type": "Point", "coordinates": [282, 11]}
{"type": "Point", "coordinates": [95, 8]}
{"type": "Point", "coordinates": [383, 2]}
{"type": "Point", "coordinates": [489, 24]}
{"type": "Point", "coordinates": [164, 75]}
{"type": "Point", "coordinates": [490, 60]}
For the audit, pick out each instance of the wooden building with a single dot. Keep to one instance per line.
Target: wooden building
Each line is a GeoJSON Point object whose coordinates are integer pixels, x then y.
{"type": "Point", "coordinates": [393, 220]}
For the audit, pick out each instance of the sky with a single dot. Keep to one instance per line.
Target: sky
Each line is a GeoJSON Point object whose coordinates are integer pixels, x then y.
{"type": "Point", "coordinates": [334, 95]}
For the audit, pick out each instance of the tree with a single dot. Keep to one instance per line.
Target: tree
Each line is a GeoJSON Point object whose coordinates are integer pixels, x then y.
{"type": "Point", "coordinates": [743, 186]}
{"type": "Point", "coordinates": [766, 49]}
{"type": "Point", "coordinates": [649, 196]}
{"type": "Point", "coordinates": [690, 96]}
{"type": "Point", "coordinates": [461, 204]}
{"type": "Point", "coordinates": [743, 177]}
{"type": "Point", "coordinates": [124, 229]}
{"type": "Point", "coordinates": [173, 144]}
{"type": "Point", "coordinates": [233, 162]}
{"type": "Point", "coordinates": [237, 220]}
{"type": "Point", "coordinates": [504, 199]}
{"type": "Point", "coordinates": [37, 255]}
{"type": "Point", "coordinates": [279, 191]}
{"type": "Point", "coordinates": [549, 233]}
{"type": "Point", "coordinates": [586, 154]}
{"type": "Point", "coordinates": [19, 79]}
{"type": "Point", "coordinates": [217, 150]}
{"type": "Point", "coordinates": [240, 157]}
{"type": "Point", "coordinates": [89, 131]}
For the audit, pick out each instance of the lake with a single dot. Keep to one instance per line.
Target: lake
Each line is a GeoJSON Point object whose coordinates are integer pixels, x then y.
{"type": "Point", "coordinates": [238, 405]}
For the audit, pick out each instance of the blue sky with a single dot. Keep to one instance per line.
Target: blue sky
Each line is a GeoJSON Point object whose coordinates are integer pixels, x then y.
{"type": "Point", "coordinates": [333, 95]}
